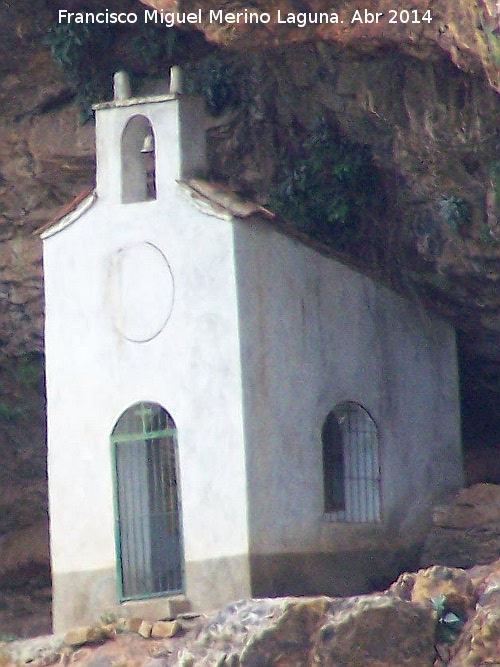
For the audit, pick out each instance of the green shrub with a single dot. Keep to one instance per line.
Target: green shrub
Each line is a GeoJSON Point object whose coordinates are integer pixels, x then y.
{"type": "Point", "coordinates": [87, 54]}
{"type": "Point", "coordinates": [217, 80]}
{"type": "Point", "coordinates": [330, 187]}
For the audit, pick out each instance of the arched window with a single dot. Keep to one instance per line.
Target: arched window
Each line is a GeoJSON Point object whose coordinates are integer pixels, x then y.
{"type": "Point", "coordinates": [148, 522]}
{"type": "Point", "coordinates": [138, 161]}
{"type": "Point", "coordinates": [333, 464]}
{"type": "Point", "coordinates": [351, 471]}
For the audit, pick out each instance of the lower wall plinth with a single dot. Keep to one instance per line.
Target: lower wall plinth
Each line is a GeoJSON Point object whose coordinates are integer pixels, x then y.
{"type": "Point", "coordinates": [215, 582]}
{"type": "Point", "coordinates": [334, 574]}
{"type": "Point", "coordinates": [80, 598]}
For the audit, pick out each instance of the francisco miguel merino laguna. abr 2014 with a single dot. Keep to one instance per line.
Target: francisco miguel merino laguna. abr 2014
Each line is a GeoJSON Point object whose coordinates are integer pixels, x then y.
{"type": "Point", "coordinates": [300, 19]}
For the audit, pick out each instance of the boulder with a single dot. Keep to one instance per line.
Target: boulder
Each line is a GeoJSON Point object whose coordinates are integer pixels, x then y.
{"type": "Point", "coordinates": [479, 642]}
{"type": "Point", "coordinates": [453, 586]}
{"type": "Point", "coordinates": [94, 634]}
{"type": "Point", "coordinates": [77, 636]}
{"type": "Point", "coordinates": [375, 631]}
{"type": "Point", "coordinates": [475, 506]}
{"type": "Point", "coordinates": [466, 530]}
{"type": "Point", "coordinates": [129, 624]}
{"type": "Point", "coordinates": [145, 629]}
{"type": "Point", "coordinates": [165, 629]}
{"type": "Point", "coordinates": [363, 631]}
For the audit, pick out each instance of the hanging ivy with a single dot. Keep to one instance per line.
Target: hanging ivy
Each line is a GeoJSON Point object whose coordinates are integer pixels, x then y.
{"type": "Point", "coordinates": [331, 186]}
{"type": "Point", "coordinates": [82, 52]}
{"type": "Point", "coordinates": [218, 80]}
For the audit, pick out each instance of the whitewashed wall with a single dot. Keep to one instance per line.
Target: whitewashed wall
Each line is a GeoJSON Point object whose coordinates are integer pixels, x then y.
{"type": "Point", "coordinates": [249, 339]}
{"type": "Point", "coordinates": [191, 368]}
{"type": "Point", "coordinates": [314, 334]}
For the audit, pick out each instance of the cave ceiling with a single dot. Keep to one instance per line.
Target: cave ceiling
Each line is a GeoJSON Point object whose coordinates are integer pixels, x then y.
{"type": "Point", "coordinates": [422, 95]}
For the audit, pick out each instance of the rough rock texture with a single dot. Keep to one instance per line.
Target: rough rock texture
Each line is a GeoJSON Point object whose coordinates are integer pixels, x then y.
{"type": "Point", "coordinates": [454, 584]}
{"type": "Point", "coordinates": [466, 530]}
{"type": "Point", "coordinates": [479, 642]}
{"type": "Point", "coordinates": [465, 32]}
{"type": "Point", "coordinates": [428, 618]}
{"type": "Point", "coordinates": [363, 631]}
{"type": "Point", "coordinates": [423, 97]}
{"type": "Point", "coordinates": [462, 547]}
{"type": "Point", "coordinates": [46, 157]}
{"type": "Point", "coordinates": [470, 507]}
{"type": "Point", "coordinates": [21, 323]}
{"type": "Point", "coordinates": [374, 632]}
{"type": "Point", "coordinates": [366, 631]}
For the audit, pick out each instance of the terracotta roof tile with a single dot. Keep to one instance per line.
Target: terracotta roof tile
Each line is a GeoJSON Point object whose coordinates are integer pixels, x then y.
{"type": "Point", "coordinates": [64, 210]}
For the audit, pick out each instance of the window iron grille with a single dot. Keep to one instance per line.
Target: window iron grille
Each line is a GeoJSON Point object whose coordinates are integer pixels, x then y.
{"type": "Point", "coordinates": [351, 467]}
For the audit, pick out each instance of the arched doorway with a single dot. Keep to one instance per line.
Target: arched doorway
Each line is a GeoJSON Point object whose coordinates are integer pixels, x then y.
{"type": "Point", "coordinates": [148, 521]}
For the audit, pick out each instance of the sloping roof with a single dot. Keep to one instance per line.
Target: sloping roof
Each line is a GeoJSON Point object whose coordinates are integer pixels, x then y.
{"type": "Point", "coordinates": [68, 214]}
{"type": "Point", "coordinates": [221, 198]}
{"type": "Point", "coordinates": [215, 198]}
{"type": "Point", "coordinates": [211, 198]}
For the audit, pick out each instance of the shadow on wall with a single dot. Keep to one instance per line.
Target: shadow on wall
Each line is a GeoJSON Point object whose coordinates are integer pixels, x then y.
{"type": "Point", "coordinates": [480, 412]}
{"type": "Point", "coordinates": [333, 574]}
{"type": "Point", "coordinates": [482, 462]}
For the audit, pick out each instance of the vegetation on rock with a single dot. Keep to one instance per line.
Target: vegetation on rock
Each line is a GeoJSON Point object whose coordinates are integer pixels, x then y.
{"type": "Point", "coordinates": [89, 55]}
{"type": "Point", "coordinates": [330, 188]}
{"type": "Point", "coordinates": [413, 128]}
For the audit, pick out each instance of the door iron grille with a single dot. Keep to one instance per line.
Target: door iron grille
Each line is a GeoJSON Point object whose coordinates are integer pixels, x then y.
{"type": "Point", "coordinates": [149, 543]}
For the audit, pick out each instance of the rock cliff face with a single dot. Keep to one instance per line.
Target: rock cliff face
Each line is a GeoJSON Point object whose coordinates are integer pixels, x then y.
{"type": "Point", "coordinates": [432, 618]}
{"type": "Point", "coordinates": [46, 156]}
{"type": "Point", "coordinates": [420, 89]}
{"type": "Point", "coordinates": [421, 97]}
{"type": "Point", "coordinates": [465, 33]}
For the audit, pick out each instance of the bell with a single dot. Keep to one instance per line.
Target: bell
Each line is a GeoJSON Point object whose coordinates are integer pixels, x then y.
{"type": "Point", "coordinates": [148, 145]}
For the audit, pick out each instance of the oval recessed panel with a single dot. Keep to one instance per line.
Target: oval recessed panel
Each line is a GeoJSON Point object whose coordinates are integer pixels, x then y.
{"type": "Point", "coordinates": [141, 291]}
